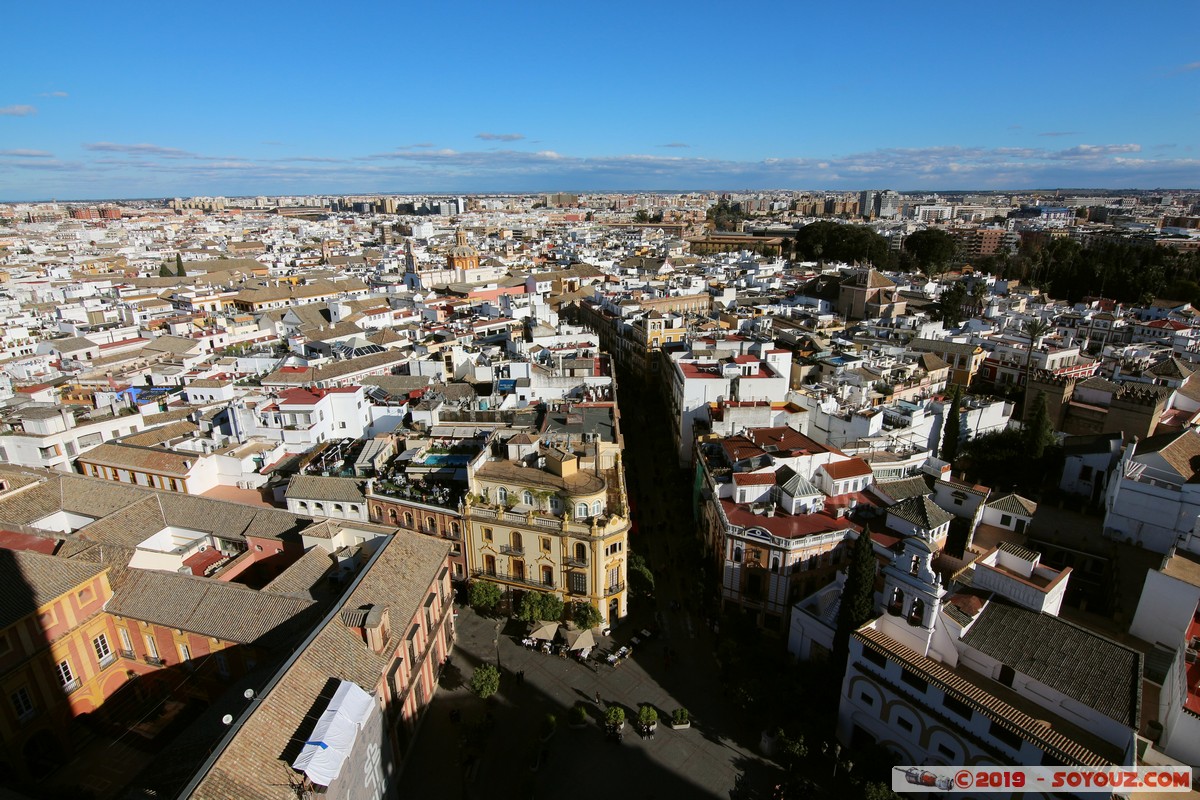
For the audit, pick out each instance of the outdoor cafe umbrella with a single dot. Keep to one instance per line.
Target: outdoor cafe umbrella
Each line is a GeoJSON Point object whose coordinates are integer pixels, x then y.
{"type": "Point", "coordinates": [579, 640]}
{"type": "Point", "coordinates": [543, 630]}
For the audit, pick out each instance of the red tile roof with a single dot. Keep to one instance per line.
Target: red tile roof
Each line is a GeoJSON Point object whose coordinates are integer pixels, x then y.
{"type": "Point", "coordinates": [754, 478]}
{"type": "Point", "coordinates": [851, 468]}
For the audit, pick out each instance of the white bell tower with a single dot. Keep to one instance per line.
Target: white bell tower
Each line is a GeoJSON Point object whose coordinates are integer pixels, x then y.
{"type": "Point", "coordinates": [912, 595]}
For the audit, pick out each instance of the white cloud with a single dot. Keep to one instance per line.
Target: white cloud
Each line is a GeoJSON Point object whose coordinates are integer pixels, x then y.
{"type": "Point", "coordinates": [17, 111]}
{"type": "Point", "coordinates": [23, 153]}
{"type": "Point", "coordinates": [500, 137]}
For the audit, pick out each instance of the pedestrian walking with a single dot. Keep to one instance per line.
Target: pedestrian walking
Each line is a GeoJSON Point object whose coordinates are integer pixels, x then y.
{"type": "Point", "coordinates": [521, 678]}
{"type": "Point", "coordinates": [597, 699]}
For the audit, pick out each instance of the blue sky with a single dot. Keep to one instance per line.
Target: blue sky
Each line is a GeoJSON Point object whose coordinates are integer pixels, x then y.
{"type": "Point", "coordinates": [147, 100]}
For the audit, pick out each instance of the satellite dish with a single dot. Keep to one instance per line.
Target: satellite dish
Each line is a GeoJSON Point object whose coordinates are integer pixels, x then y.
{"type": "Point", "coordinates": [227, 719]}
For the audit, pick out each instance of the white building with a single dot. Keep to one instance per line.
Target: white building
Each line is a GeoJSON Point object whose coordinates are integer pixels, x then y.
{"type": "Point", "coordinates": [1154, 499]}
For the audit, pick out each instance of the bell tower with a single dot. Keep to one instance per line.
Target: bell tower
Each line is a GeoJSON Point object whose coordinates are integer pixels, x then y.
{"type": "Point", "coordinates": [912, 595]}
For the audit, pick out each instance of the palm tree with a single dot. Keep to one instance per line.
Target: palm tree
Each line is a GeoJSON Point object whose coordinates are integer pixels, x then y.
{"type": "Point", "coordinates": [1034, 329]}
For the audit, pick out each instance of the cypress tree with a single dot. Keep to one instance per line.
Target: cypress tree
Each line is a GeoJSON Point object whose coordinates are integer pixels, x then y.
{"type": "Point", "coordinates": [1038, 432]}
{"type": "Point", "coordinates": [951, 428]}
{"type": "Point", "coordinates": [179, 270]}
{"type": "Point", "coordinates": [858, 595]}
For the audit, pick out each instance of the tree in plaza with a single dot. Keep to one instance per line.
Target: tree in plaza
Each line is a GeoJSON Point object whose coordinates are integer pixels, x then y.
{"type": "Point", "coordinates": [485, 681]}
{"type": "Point", "coordinates": [1038, 431]}
{"type": "Point", "coordinates": [539, 606]}
{"type": "Point", "coordinates": [485, 596]}
{"type": "Point", "coordinates": [951, 427]}
{"type": "Point", "coordinates": [932, 249]}
{"type": "Point", "coordinates": [585, 615]}
{"type": "Point", "coordinates": [858, 595]}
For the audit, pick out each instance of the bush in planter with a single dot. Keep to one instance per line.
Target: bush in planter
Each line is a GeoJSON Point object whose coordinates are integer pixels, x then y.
{"type": "Point", "coordinates": [615, 716]}
{"type": "Point", "coordinates": [647, 715]}
{"type": "Point", "coordinates": [549, 725]}
{"type": "Point", "coordinates": [577, 716]}
{"type": "Point", "coordinates": [679, 716]}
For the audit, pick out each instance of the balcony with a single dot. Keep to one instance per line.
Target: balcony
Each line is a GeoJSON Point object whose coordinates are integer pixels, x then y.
{"type": "Point", "coordinates": [615, 588]}
{"type": "Point", "coordinates": [129, 654]}
{"type": "Point", "coordinates": [155, 661]}
{"type": "Point", "coordinates": [72, 686]}
{"type": "Point", "coordinates": [509, 550]}
{"type": "Point", "coordinates": [576, 562]}
{"type": "Point", "coordinates": [506, 577]}
{"type": "Point", "coordinates": [108, 660]}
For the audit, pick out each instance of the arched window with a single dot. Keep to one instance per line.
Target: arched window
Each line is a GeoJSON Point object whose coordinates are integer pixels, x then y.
{"type": "Point", "coordinates": [454, 529]}
{"type": "Point", "coordinates": [737, 554]}
{"type": "Point", "coordinates": [581, 552]}
{"type": "Point", "coordinates": [581, 510]}
{"type": "Point", "coordinates": [896, 602]}
{"type": "Point", "coordinates": [516, 540]}
{"type": "Point", "coordinates": [377, 512]}
{"type": "Point", "coordinates": [527, 497]}
{"type": "Point", "coordinates": [774, 563]}
{"type": "Point", "coordinates": [597, 508]}
{"type": "Point", "coordinates": [392, 515]}
{"type": "Point", "coordinates": [319, 508]}
{"type": "Point", "coordinates": [303, 504]}
{"type": "Point", "coordinates": [408, 519]}
{"type": "Point", "coordinates": [337, 507]}
{"type": "Point", "coordinates": [556, 505]}
{"type": "Point", "coordinates": [502, 496]}
{"type": "Point", "coordinates": [916, 614]}
{"type": "Point", "coordinates": [431, 525]}
{"type": "Point", "coordinates": [914, 567]}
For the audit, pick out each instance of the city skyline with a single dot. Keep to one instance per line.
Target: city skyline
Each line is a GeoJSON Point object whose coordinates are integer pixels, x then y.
{"type": "Point", "coordinates": [113, 103]}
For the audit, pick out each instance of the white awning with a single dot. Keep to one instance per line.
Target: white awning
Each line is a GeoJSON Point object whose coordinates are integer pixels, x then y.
{"type": "Point", "coordinates": [333, 738]}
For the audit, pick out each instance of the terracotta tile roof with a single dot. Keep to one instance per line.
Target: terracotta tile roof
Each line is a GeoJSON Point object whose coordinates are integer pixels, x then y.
{"type": "Point", "coordinates": [851, 468]}
{"type": "Point", "coordinates": [251, 766]}
{"type": "Point", "coordinates": [1095, 671]}
{"type": "Point", "coordinates": [148, 459]}
{"type": "Point", "coordinates": [1070, 752]}
{"type": "Point", "coordinates": [31, 580]}
{"type": "Point", "coordinates": [922, 512]}
{"type": "Point", "coordinates": [303, 575]}
{"type": "Point", "coordinates": [1013, 503]}
{"type": "Point", "coordinates": [223, 610]}
{"type": "Point", "coordinates": [333, 490]}
{"type": "Point", "coordinates": [754, 478]}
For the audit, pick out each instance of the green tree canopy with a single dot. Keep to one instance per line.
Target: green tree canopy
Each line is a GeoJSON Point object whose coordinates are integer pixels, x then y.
{"type": "Point", "coordinates": [725, 216]}
{"type": "Point", "coordinates": [949, 306]}
{"type": "Point", "coordinates": [835, 241]}
{"type": "Point", "coordinates": [932, 249]}
{"type": "Point", "coordinates": [165, 271]}
{"type": "Point", "coordinates": [485, 596]}
{"type": "Point", "coordinates": [538, 606]}
{"type": "Point", "coordinates": [1038, 431]}
{"type": "Point", "coordinates": [585, 615]}
{"type": "Point", "coordinates": [485, 681]}
{"type": "Point", "coordinates": [641, 579]}
{"type": "Point", "coordinates": [858, 595]}
{"type": "Point", "coordinates": [179, 270]}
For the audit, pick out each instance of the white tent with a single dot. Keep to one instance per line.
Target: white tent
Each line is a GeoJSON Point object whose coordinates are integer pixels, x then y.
{"type": "Point", "coordinates": [333, 738]}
